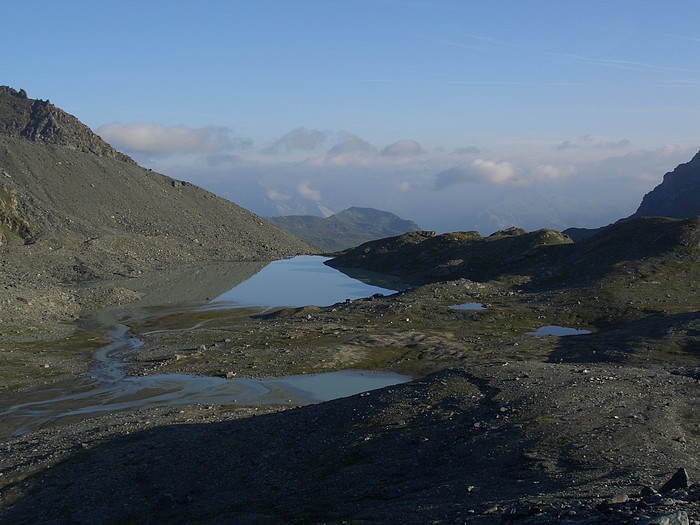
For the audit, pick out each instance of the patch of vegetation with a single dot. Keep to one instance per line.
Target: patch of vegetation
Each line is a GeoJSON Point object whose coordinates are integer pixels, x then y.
{"type": "Point", "coordinates": [187, 319]}
{"type": "Point", "coordinates": [11, 223]}
{"type": "Point", "coordinates": [27, 364]}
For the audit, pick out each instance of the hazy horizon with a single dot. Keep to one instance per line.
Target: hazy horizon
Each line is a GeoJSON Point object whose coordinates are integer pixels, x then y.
{"type": "Point", "coordinates": [456, 115]}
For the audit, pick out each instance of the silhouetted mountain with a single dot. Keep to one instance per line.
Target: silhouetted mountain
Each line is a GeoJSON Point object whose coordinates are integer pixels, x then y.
{"type": "Point", "coordinates": [678, 196]}
{"type": "Point", "coordinates": [345, 229]}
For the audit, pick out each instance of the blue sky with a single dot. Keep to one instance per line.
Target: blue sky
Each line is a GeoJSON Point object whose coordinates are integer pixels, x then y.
{"type": "Point", "coordinates": [459, 115]}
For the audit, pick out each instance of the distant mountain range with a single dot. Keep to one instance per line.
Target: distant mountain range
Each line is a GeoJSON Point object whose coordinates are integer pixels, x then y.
{"type": "Point", "coordinates": [678, 196]}
{"type": "Point", "coordinates": [345, 229]}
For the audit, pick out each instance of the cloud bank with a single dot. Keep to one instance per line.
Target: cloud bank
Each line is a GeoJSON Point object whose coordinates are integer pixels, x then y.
{"type": "Point", "coordinates": [403, 148]}
{"type": "Point", "coordinates": [157, 139]}
{"type": "Point", "coordinates": [298, 139]}
{"type": "Point", "coordinates": [586, 181]}
{"type": "Point", "coordinates": [478, 171]}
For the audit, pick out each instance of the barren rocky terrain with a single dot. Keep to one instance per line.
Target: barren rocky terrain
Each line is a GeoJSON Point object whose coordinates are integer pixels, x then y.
{"type": "Point", "coordinates": [498, 425]}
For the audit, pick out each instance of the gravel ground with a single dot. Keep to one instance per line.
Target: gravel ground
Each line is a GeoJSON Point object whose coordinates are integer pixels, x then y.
{"type": "Point", "coordinates": [548, 443]}
{"type": "Point", "coordinates": [497, 426]}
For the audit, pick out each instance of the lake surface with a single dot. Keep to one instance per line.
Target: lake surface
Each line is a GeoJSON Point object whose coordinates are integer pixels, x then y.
{"type": "Point", "coordinates": [299, 281]}
{"type": "Point", "coordinates": [558, 331]}
{"type": "Point", "coordinates": [467, 306]}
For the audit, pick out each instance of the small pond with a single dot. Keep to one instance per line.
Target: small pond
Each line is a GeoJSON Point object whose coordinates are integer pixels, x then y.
{"type": "Point", "coordinates": [467, 306]}
{"type": "Point", "coordinates": [558, 331]}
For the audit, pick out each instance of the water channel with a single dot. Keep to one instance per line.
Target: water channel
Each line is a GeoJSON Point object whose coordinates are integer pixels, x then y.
{"type": "Point", "coordinates": [298, 281]}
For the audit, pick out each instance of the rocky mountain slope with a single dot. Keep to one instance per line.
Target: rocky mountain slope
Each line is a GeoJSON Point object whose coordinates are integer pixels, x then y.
{"type": "Point", "coordinates": [42, 122]}
{"type": "Point", "coordinates": [677, 196]}
{"type": "Point", "coordinates": [74, 212]}
{"type": "Point", "coordinates": [345, 229]}
{"type": "Point", "coordinates": [58, 180]}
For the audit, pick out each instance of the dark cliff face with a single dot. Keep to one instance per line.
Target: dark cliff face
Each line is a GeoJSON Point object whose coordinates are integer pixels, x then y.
{"type": "Point", "coordinates": [42, 122]}
{"type": "Point", "coordinates": [677, 196]}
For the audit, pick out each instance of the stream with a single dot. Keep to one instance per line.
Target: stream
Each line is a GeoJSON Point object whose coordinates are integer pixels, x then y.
{"type": "Point", "coordinates": [298, 281]}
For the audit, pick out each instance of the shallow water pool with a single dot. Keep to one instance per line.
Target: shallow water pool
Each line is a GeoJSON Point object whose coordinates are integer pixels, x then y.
{"type": "Point", "coordinates": [558, 331]}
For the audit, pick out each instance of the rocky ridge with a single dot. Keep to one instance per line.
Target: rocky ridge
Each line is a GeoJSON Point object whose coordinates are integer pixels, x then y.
{"type": "Point", "coordinates": [677, 196]}
{"type": "Point", "coordinates": [543, 256]}
{"type": "Point", "coordinates": [42, 122]}
{"type": "Point", "coordinates": [424, 256]}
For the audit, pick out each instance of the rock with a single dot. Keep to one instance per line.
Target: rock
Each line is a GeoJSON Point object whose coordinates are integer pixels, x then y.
{"type": "Point", "coordinates": [620, 498]}
{"type": "Point", "coordinates": [674, 518]}
{"type": "Point", "coordinates": [648, 491]}
{"type": "Point", "coordinates": [674, 197]}
{"type": "Point", "coordinates": [516, 513]}
{"type": "Point", "coordinates": [679, 480]}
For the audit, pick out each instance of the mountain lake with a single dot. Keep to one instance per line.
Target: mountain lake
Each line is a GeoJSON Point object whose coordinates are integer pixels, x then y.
{"type": "Point", "coordinates": [299, 281]}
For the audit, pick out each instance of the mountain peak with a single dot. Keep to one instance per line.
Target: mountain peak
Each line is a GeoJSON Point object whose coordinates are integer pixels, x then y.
{"type": "Point", "coordinates": [40, 121]}
{"type": "Point", "coordinates": [345, 229]}
{"type": "Point", "coordinates": [677, 196]}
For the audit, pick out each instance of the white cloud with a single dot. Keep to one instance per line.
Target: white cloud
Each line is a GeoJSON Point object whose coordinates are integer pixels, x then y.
{"type": "Point", "coordinates": [468, 150]}
{"type": "Point", "coordinates": [304, 189]}
{"type": "Point", "coordinates": [157, 139]}
{"type": "Point", "coordinates": [588, 142]}
{"type": "Point", "coordinates": [298, 139]}
{"type": "Point", "coordinates": [350, 143]}
{"type": "Point", "coordinates": [478, 171]}
{"type": "Point", "coordinates": [591, 185]}
{"type": "Point", "coordinates": [551, 172]}
{"type": "Point", "coordinates": [403, 148]}
{"type": "Point", "coordinates": [277, 195]}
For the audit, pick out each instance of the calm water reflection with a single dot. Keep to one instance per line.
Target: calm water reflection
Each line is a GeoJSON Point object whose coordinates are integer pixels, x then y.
{"type": "Point", "coordinates": [299, 281]}
{"type": "Point", "coordinates": [294, 282]}
{"type": "Point", "coordinates": [467, 306]}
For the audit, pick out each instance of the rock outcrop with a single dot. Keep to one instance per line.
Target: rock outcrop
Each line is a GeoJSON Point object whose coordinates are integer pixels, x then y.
{"type": "Point", "coordinates": [420, 257]}
{"type": "Point", "coordinates": [42, 122]}
{"type": "Point", "coordinates": [544, 255]}
{"type": "Point", "coordinates": [677, 196]}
